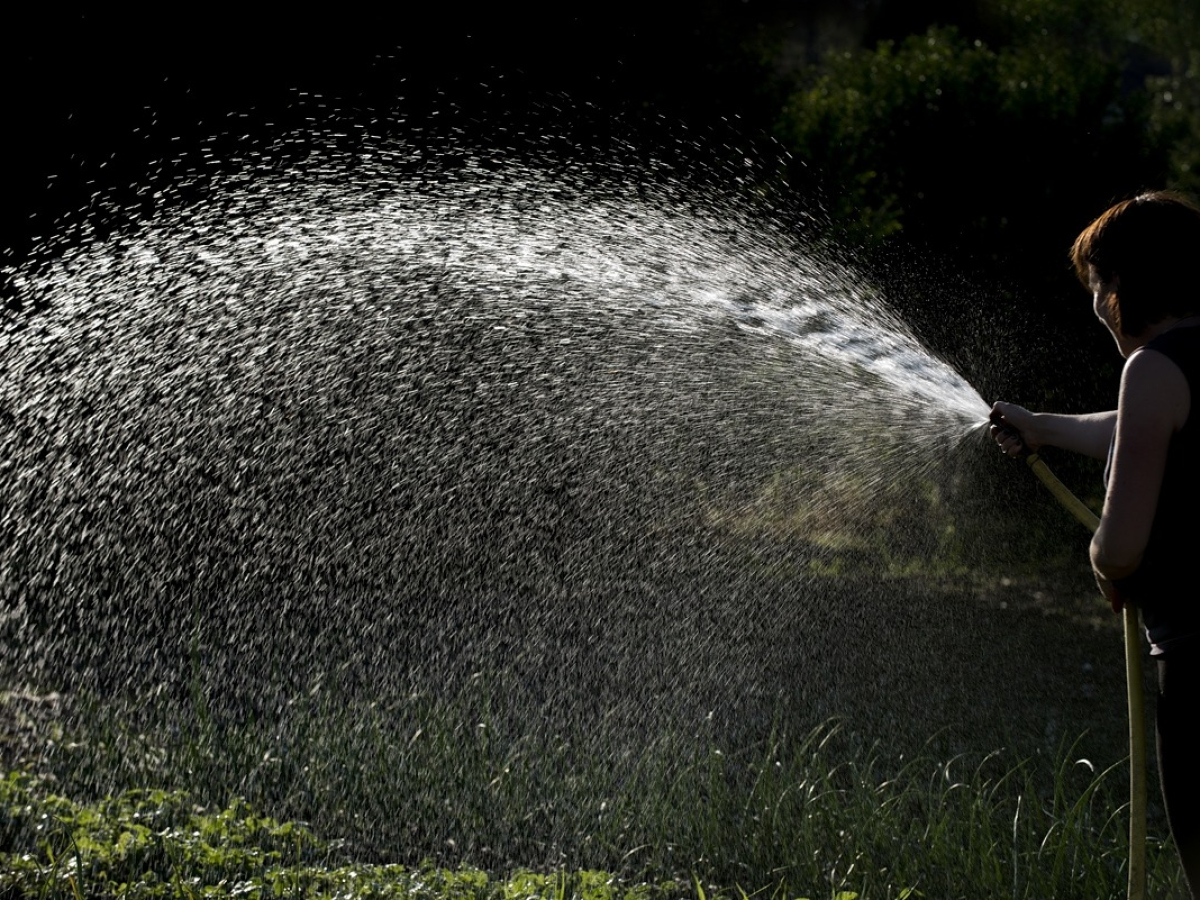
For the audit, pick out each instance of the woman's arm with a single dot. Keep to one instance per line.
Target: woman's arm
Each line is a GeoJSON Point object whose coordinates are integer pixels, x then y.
{"type": "Point", "coordinates": [1154, 404]}
{"type": "Point", "coordinates": [1088, 434]}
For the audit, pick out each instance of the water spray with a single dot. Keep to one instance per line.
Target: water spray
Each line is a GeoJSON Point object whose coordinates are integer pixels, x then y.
{"type": "Point", "coordinates": [1133, 679]}
{"type": "Point", "coordinates": [400, 435]}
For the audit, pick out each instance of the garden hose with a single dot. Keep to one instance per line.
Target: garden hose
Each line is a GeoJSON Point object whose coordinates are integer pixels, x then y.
{"type": "Point", "coordinates": [1133, 680]}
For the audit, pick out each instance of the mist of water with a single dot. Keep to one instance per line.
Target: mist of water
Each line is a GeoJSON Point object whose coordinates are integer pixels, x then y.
{"type": "Point", "coordinates": [362, 429]}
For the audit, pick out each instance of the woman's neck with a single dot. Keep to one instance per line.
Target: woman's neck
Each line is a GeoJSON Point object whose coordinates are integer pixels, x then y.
{"type": "Point", "coordinates": [1163, 326]}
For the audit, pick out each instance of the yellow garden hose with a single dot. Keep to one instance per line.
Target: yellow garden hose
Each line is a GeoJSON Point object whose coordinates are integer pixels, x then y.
{"type": "Point", "coordinates": [1133, 679]}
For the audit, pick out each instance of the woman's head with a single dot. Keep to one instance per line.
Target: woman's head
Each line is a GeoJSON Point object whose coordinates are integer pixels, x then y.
{"type": "Point", "coordinates": [1148, 250]}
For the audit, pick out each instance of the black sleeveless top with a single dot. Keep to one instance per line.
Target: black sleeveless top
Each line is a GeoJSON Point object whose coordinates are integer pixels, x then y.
{"type": "Point", "coordinates": [1167, 583]}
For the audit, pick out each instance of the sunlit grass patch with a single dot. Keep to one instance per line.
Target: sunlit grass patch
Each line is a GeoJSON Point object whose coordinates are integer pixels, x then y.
{"type": "Point", "coordinates": [155, 843]}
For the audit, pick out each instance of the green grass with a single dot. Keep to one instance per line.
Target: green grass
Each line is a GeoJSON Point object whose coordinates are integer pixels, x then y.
{"type": "Point", "coordinates": [810, 816]}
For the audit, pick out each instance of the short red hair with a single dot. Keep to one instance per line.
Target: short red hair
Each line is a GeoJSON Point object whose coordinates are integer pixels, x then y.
{"type": "Point", "coordinates": [1150, 245]}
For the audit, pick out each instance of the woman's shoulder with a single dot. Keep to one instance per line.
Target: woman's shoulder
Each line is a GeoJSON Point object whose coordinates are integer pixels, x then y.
{"type": "Point", "coordinates": [1155, 390]}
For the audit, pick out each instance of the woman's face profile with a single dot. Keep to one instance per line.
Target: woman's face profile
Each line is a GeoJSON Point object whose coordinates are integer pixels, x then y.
{"type": "Point", "coordinates": [1102, 292]}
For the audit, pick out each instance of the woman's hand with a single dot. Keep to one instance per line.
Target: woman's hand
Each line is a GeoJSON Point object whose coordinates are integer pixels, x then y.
{"type": "Point", "coordinates": [1110, 592]}
{"type": "Point", "coordinates": [1014, 428]}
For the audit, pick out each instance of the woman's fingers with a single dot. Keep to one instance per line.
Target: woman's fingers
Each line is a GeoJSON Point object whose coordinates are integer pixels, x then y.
{"type": "Point", "coordinates": [1008, 439]}
{"type": "Point", "coordinates": [1008, 421]}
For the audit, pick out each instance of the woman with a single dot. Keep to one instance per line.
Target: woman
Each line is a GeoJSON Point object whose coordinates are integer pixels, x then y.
{"type": "Point", "coordinates": [1141, 261]}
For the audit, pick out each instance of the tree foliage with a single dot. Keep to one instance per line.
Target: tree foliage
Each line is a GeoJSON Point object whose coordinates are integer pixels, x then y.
{"type": "Point", "coordinates": [970, 138]}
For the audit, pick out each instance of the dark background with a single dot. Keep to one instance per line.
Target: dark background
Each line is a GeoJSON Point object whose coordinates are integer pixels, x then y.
{"type": "Point", "coordinates": [90, 101]}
